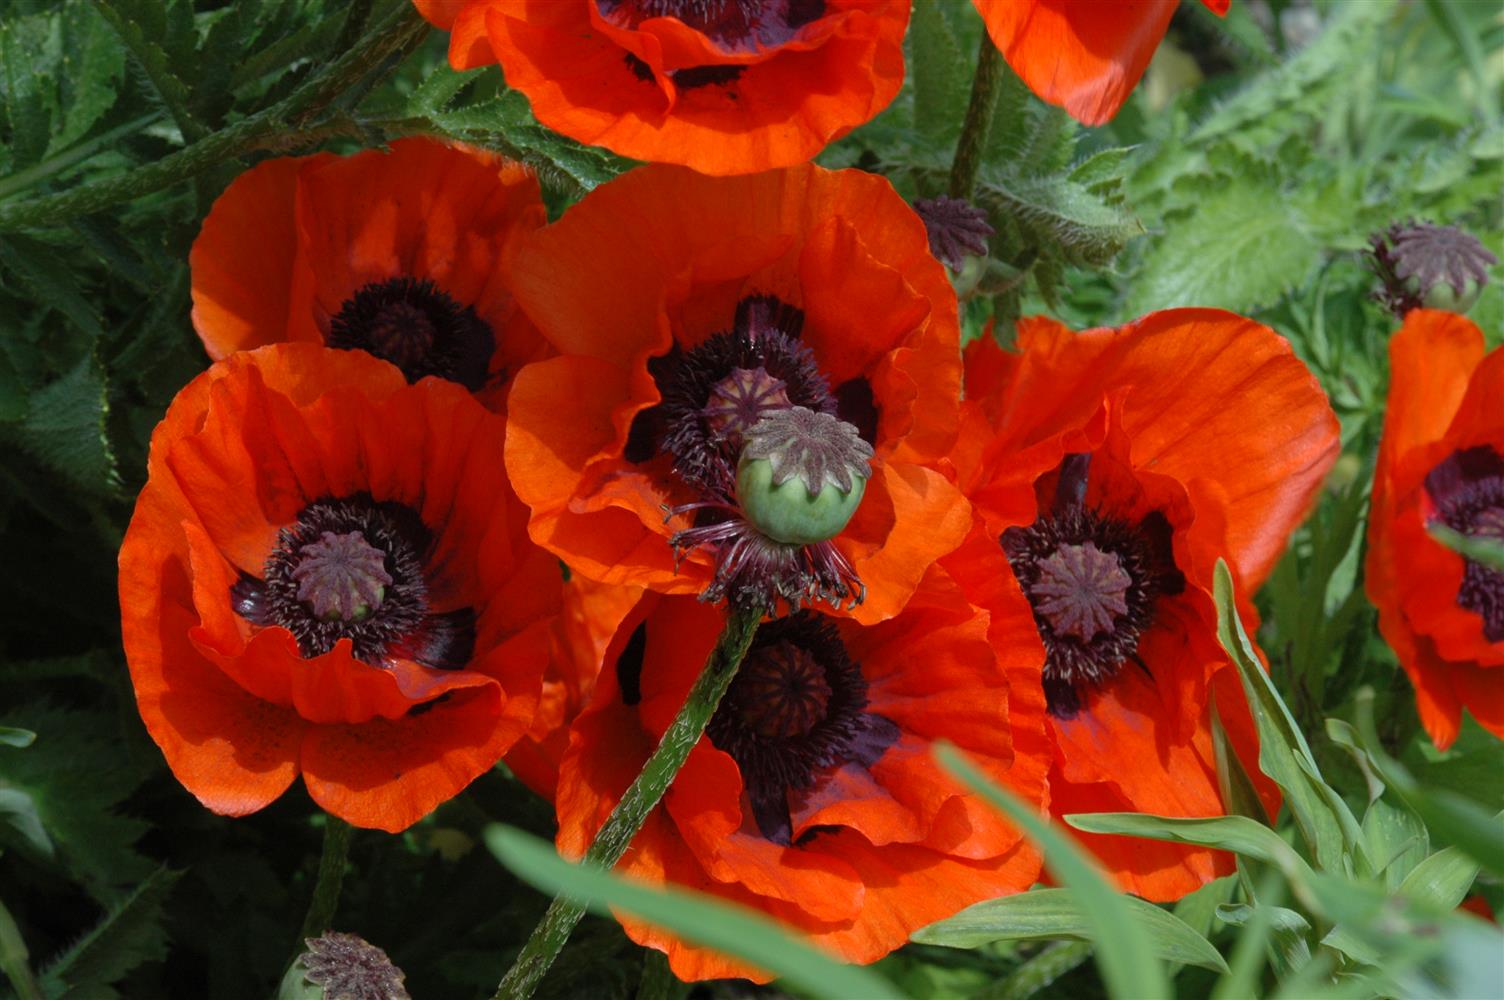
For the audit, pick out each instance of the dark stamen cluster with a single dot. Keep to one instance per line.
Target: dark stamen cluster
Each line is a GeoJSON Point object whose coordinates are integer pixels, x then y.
{"type": "Point", "coordinates": [733, 24]}
{"type": "Point", "coordinates": [1468, 490]}
{"type": "Point", "coordinates": [352, 568]}
{"type": "Point", "coordinates": [1092, 581]}
{"type": "Point", "coordinates": [418, 328]}
{"type": "Point", "coordinates": [763, 341]}
{"type": "Point", "coordinates": [796, 709]}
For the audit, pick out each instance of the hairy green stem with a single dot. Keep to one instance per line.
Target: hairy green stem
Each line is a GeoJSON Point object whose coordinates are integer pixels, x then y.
{"type": "Point", "coordinates": [973, 140]}
{"type": "Point", "coordinates": [287, 123]}
{"type": "Point", "coordinates": [15, 960]}
{"type": "Point", "coordinates": [331, 875]}
{"type": "Point", "coordinates": [58, 162]}
{"type": "Point", "coordinates": [639, 799]}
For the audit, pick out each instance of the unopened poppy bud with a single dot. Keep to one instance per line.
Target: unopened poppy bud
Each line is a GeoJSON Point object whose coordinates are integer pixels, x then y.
{"type": "Point", "coordinates": [342, 967]}
{"type": "Point", "coordinates": [1428, 266]}
{"type": "Point", "coordinates": [802, 475]}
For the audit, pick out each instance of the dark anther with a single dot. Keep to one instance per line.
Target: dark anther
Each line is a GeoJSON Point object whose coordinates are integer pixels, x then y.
{"type": "Point", "coordinates": [796, 710]}
{"type": "Point", "coordinates": [418, 328]}
{"type": "Point", "coordinates": [1468, 491]}
{"type": "Point", "coordinates": [1092, 581]}
{"type": "Point", "coordinates": [352, 568]}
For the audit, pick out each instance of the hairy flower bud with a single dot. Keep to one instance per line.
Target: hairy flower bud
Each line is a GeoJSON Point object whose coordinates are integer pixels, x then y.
{"type": "Point", "coordinates": [342, 967]}
{"type": "Point", "coordinates": [1423, 265]}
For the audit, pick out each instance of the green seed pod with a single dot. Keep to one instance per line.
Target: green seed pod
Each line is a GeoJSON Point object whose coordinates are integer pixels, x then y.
{"type": "Point", "coordinates": [801, 475]}
{"type": "Point", "coordinates": [789, 512]}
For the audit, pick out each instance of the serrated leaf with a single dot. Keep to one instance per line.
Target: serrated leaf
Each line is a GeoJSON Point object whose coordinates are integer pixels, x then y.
{"type": "Point", "coordinates": [74, 775]}
{"type": "Point", "coordinates": [160, 56]}
{"type": "Point", "coordinates": [1062, 218]}
{"type": "Point", "coordinates": [438, 88]}
{"type": "Point", "coordinates": [27, 61]}
{"type": "Point", "coordinates": [506, 125]}
{"type": "Point", "coordinates": [93, 64]}
{"type": "Point", "coordinates": [1326, 824]}
{"type": "Point", "coordinates": [66, 428]}
{"type": "Point", "coordinates": [1241, 248]}
{"type": "Point", "coordinates": [51, 279]}
{"type": "Point", "coordinates": [1046, 914]}
{"type": "Point", "coordinates": [130, 933]}
{"type": "Point", "coordinates": [941, 75]}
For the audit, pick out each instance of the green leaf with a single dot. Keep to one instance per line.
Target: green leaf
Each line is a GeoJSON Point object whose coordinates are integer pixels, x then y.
{"type": "Point", "coordinates": [52, 280]}
{"type": "Point", "coordinates": [507, 126]}
{"type": "Point", "coordinates": [1237, 834]}
{"type": "Point", "coordinates": [1479, 548]}
{"type": "Point", "coordinates": [1448, 816]}
{"type": "Point", "coordinates": [1124, 953]}
{"type": "Point", "coordinates": [1059, 215]}
{"type": "Point", "coordinates": [142, 26]}
{"type": "Point", "coordinates": [1397, 841]}
{"type": "Point", "coordinates": [693, 916]}
{"type": "Point", "coordinates": [1325, 822]}
{"type": "Point", "coordinates": [13, 736]}
{"type": "Point", "coordinates": [73, 776]}
{"type": "Point", "coordinates": [1241, 248]}
{"type": "Point", "coordinates": [66, 429]}
{"type": "Point", "coordinates": [94, 64]}
{"type": "Point", "coordinates": [1441, 881]}
{"type": "Point", "coordinates": [18, 811]}
{"type": "Point", "coordinates": [941, 74]}
{"type": "Point", "coordinates": [129, 934]}
{"type": "Point", "coordinates": [1045, 914]}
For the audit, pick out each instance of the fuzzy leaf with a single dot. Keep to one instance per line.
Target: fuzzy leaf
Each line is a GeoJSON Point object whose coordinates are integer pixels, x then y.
{"type": "Point", "coordinates": [941, 75]}
{"type": "Point", "coordinates": [1241, 248]}
{"type": "Point", "coordinates": [66, 428]}
{"type": "Point", "coordinates": [130, 933]}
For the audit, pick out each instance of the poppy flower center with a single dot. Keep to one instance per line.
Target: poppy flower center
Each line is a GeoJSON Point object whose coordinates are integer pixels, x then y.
{"type": "Point", "coordinates": [1468, 490]}
{"type": "Point", "coordinates": [732, 24]}
{"type": "Point", "coordinates": [796, 710]}
{"type": "Point", "coordinates": [1092, 582]}
{"type": "Point", "coordinates": [420, 329]}
{"type": "Point", "coordinates": [352, 568]}
{"type": "Point", "coordinates": [750, 393]}
{"type": "Point", "coordinates": [341, 577]}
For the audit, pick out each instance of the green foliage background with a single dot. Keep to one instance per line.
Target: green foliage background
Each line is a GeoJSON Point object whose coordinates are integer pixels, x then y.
{"type": "Point", "coordinates": [1247, 172]}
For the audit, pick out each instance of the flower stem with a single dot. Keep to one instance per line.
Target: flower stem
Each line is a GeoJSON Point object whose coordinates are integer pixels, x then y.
{"type": "Point", "coordinates": [973, 140]}
{"type": "Point", "coordinates": [639, 799]}
{"type": "Point", "coordinates": [15, 959]}
{"type": "Point", "coordinates": [325, 900]}
{"type": "Point", "coordinates": [284, 125]}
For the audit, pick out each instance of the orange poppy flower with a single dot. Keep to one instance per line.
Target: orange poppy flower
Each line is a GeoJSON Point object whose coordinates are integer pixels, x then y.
{"type": "Point", "coordinates": [1109, 470]}
{"type": "Point", "coordinates": [326, 574]}
{"type": "Point", "coordinates": [723, 86]}
{"type": "Point", "coordinates": [1085, 56]}
{"type": "Point", "coordinates": [577, 644]}
{"type": "Point", "coordinates": [686, 309]}
{"type": "Point", "coordinates": [813, 796]}
{"type": "Point", "coordinates": [403, 254]}
{"type": "Point", "coordinates": [1441, 463]}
